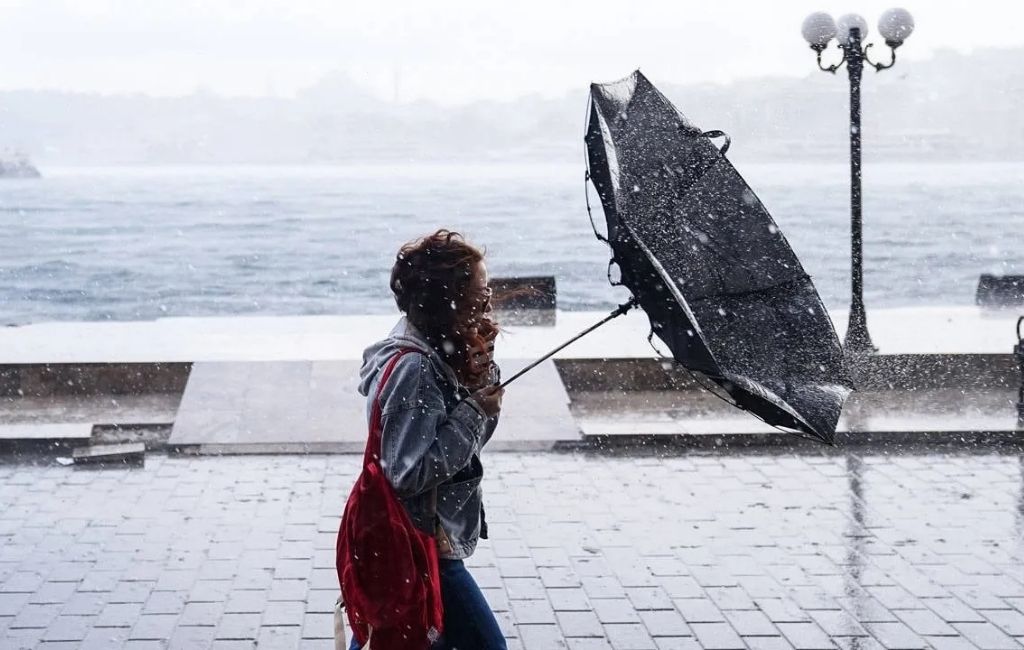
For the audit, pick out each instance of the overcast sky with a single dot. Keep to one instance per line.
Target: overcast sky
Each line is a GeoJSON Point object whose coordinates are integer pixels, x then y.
{"type": "Point", "coordinates": [447, 50]}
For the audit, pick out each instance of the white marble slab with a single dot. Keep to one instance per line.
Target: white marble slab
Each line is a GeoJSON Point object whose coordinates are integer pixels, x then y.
{"type": "Point", "coordinates": [275, 406]}
{"type": "Point", "coordinates": [910, 330]}
{"type": "Point", "coordinates": [46, 431]}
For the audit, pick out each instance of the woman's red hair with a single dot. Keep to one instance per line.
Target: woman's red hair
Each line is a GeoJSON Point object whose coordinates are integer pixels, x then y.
{"type": "Point", "coordinates": [431, 280]}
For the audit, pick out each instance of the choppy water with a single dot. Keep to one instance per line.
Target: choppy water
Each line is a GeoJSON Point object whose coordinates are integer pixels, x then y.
{"type": "Point", "coordinates": [95, 244]}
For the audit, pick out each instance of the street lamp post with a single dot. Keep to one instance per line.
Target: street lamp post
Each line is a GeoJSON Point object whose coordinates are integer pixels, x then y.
{"type": "Point", "coordinates": [819, 29]}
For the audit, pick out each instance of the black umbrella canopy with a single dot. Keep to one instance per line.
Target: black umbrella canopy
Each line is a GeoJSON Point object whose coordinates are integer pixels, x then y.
{"type": "Point", "coordinates": [698, 250]}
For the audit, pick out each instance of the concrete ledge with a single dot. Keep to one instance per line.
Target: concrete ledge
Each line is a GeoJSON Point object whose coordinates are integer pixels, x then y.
{"type": "Point", "coordinates": [17, 439]}
{"type": "Point", "coordinates": [929, 349]}
{"type": "Point", "coordinates": [528, 300]}
{"type": "Point", "coordinates": [332, 448]}
{"type": "Point", "coordinates": [609, 398]}
{"type": "Point", "coordinates": [59, 379]}
{"type": "Point", "coordinates": [899, 371]}
{"type": "Point", "coordinates": [118, 454]}
{"type": "Point", "coordinates": [878, 372]}
{"type": "Point", "coordinates": [888, 441]}
{"type": "Point", "coordinates": [45, 432]}
{"type": "Point", "coordinates": [921, 371]}
{"type": "Point", "coordinates": [265, 448]}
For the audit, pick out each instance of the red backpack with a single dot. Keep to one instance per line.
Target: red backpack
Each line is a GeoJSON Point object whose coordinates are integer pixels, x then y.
{"type": "Point", "coordinates": [387, 567]}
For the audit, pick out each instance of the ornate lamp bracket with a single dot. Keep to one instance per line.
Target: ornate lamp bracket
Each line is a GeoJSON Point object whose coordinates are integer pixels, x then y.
{"type": "Point", "coordinates": [831, 68]}
{"type": "Point", "coordinates": [882, 66]}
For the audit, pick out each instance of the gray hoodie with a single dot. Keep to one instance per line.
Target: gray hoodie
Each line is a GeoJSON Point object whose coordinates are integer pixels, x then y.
{"type": "Point", "coordinates": [430, 440]}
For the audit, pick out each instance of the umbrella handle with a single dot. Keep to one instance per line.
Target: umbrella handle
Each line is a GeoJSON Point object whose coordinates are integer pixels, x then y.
{"type": "Point", "coordinates": [620, 310]}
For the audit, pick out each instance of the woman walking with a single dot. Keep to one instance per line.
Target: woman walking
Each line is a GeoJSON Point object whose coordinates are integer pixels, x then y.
{"type": "Point", "coordinates": [439, 407]}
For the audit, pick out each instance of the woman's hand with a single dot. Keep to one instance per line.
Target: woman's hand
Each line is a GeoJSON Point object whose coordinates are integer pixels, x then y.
{"type": "Point", "coordinates": [480, 367]}
{"type": "Point", "coordinates": [489, 399]}
{"type": "Point", "coordinates": [481, 353]}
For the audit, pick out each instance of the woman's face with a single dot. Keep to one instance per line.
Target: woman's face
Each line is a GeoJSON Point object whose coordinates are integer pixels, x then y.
{"type": "Point", "coordinates": [479, 292]}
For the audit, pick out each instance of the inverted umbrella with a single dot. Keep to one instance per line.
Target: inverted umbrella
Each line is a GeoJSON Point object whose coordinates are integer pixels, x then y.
{"type": "Point", "coordinates": [707, 263]}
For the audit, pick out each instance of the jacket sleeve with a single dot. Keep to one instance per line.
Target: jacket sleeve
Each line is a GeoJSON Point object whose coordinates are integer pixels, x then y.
{"type": "Point", "coordinates": [492, 422]}
{"type": "Point", "coordinates": [421, 444]}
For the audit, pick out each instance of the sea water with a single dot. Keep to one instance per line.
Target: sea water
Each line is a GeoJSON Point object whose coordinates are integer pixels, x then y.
{"type": "Point", "coordinates": [142, 243]}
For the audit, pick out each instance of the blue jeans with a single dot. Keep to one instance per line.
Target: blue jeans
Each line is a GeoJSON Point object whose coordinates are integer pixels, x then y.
{"type": "Point", "coordinates": [469, 623]}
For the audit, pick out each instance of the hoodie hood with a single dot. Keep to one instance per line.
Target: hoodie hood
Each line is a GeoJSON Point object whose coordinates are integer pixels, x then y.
{"type": "Point", "coordinates": [403, 335]}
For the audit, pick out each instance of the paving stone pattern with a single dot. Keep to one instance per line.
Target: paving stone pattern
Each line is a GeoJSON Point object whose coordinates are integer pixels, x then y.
{"type": "Point", "coordinates": [588, 552]}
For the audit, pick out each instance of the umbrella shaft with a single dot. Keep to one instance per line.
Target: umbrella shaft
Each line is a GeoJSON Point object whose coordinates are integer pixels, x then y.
{"type": "Point", "coordinates": [622, 309]}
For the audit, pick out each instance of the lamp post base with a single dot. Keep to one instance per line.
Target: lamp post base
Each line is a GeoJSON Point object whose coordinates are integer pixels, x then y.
{"type": "Point", "coordinates": [1018, 352]}
{"type": "Point", "coordinates": [857, 340]}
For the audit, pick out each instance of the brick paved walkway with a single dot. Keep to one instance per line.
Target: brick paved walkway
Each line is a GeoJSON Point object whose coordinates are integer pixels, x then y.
{"type": "Point", "coordinates": [716, 551]}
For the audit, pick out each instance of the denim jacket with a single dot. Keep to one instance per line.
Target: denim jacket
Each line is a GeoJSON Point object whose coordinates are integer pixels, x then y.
{"type": "Point", "coordinates": [430, 441]}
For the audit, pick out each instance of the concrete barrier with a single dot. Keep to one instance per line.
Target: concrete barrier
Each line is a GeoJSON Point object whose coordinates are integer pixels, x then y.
{"type": "Point", "coordinates": [935, 361]}
{"type": "Point", "coordinates": [69, 379]}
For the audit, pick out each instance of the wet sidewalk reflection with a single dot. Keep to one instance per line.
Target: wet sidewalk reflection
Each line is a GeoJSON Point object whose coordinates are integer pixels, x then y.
{"type": "Point", "coordinates": [856, 549]}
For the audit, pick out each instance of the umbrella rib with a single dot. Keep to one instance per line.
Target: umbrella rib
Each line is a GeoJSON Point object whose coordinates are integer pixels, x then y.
{"type": "Point", "coordinates": [685, 304]}
{"type": "Point", "coordinates": [711, 389]}
{"type": "Point", "coordinates": [792, 432]}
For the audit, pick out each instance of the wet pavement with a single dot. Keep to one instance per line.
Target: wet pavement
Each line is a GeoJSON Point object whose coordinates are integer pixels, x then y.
{"type": "Point", "coordinates": [701, 413]}
{"type": "Point", "coordinates": [719, 550]}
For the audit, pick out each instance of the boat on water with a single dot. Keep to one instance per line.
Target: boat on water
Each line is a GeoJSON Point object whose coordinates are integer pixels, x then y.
{"type": "Point", "coordinates": [17, 165]}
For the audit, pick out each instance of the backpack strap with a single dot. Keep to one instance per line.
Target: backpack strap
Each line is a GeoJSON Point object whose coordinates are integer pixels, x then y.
{"type": "Point", "coordinates": [373, 441]}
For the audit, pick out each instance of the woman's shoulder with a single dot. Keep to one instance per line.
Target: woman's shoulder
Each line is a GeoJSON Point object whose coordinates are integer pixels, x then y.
{"type": "Point", "coordinates": [427, 364]}
{"type": "Point", "coordinates": [412, 379]}
{"type": "Point", "coordinates": [411, 363]}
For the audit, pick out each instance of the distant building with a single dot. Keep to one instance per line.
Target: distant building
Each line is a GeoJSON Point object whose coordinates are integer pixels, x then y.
{"type": "Point", "coordinates": [15, 164]}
